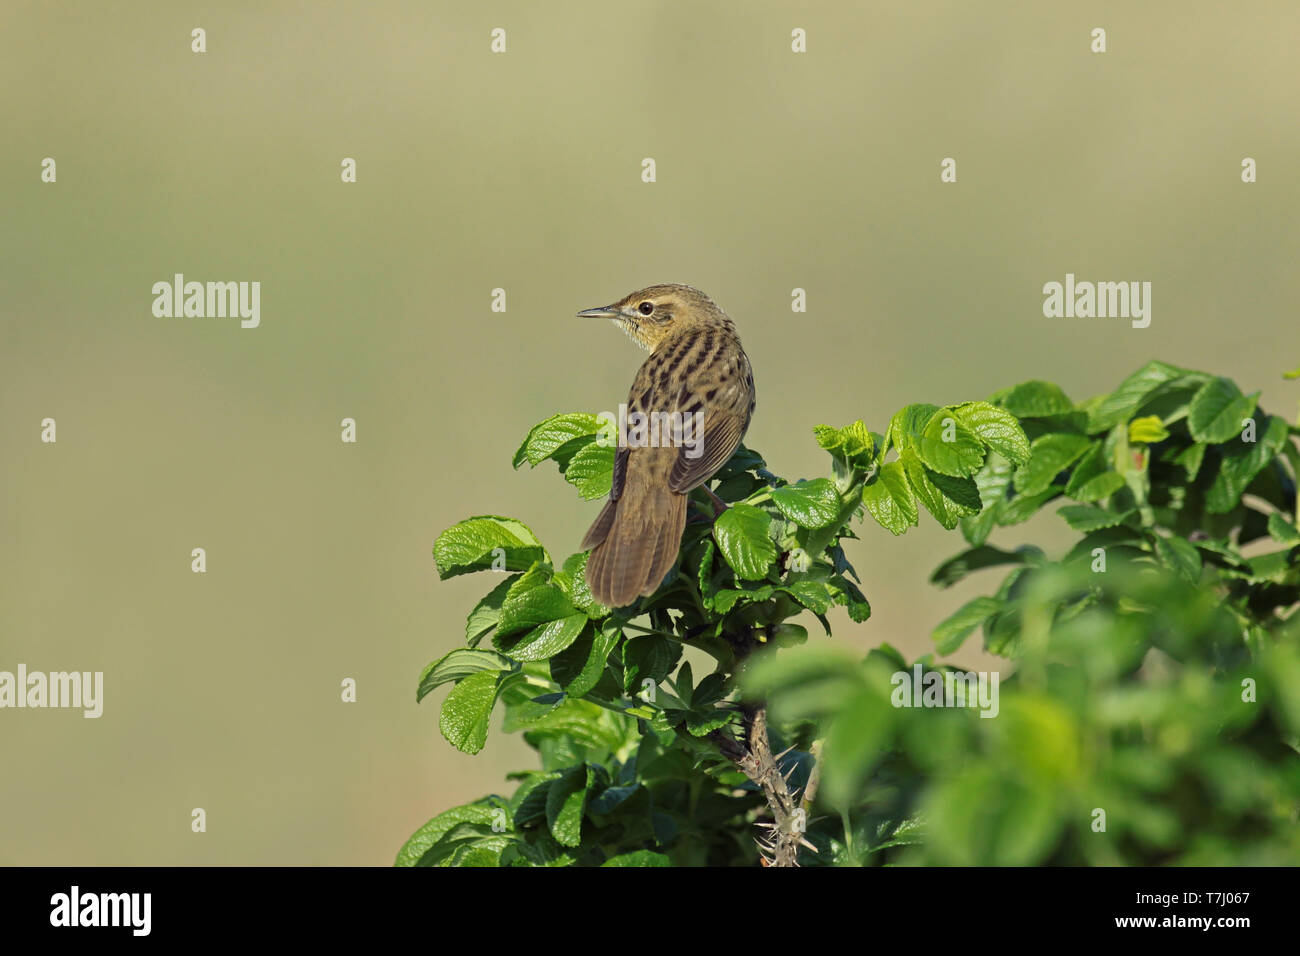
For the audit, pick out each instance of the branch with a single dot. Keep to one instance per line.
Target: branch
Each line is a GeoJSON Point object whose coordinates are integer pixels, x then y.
{"type": "Point", "coordinates": [780, 845]}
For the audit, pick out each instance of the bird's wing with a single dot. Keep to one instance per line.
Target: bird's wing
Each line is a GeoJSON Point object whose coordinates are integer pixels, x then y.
{"type": "Point", "coordinates": [669, 382]}
{"type": "Point", "coordinates": [620, 473]}
{"type": "Point", "coordinates": [723, 430]}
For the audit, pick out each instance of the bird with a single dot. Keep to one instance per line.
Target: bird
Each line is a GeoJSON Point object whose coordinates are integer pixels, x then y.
{"type": "Point", "coordinates": [697, 370]}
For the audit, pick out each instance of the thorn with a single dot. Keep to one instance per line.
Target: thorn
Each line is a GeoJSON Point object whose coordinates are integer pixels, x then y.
{"type": "Point", "coordinates": [804, 842]}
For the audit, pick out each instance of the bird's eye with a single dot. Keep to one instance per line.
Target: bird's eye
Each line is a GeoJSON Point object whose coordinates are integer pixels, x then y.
{"type": "Point", "coordinates": [645, 308]}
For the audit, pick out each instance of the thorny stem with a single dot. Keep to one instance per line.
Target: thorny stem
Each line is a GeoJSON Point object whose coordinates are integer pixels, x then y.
{"type": "Point", "coordinates": [785, 834]}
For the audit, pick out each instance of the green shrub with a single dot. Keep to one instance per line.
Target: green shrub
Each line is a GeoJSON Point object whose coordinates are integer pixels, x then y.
{"type": "Point", "coordinates": [1150, 712]}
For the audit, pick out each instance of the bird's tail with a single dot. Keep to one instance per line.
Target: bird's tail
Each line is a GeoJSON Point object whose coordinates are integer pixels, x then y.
{"type": "Point", "coordinates": [635, 541]}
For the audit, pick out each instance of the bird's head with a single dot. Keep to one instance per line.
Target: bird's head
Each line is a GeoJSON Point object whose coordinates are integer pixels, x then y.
{"type": "Point", "coordinates": [652, 314]}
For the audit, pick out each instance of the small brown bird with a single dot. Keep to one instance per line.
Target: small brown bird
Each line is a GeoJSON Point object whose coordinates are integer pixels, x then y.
{"type": "Point", "coordinates": [688, 410]}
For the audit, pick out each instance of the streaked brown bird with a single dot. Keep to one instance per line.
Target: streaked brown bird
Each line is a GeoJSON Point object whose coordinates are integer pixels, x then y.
{"type": "Point", "coordinates": [698, 375]}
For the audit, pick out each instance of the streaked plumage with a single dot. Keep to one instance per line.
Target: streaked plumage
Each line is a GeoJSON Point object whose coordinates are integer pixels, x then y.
{"type": "Point", "coordinates": [696, 363]}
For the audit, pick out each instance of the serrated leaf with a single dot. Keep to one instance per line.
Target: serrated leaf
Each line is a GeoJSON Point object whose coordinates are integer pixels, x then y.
{"type": "Point", "coordinates": [953, 631]}
{"type": "Point", "coordinates": [850, 598]}
{"type": "Point", "coordinates": [727, 598]}
{"type": "Point", "coordinates": [565, 802]}
{"type": "Point", "coordinates": [1049, 455]}
{"type": "Point", "coordinates": [742, 536]}
{"type": "Point", "coordinates": [591, 470]}
{"type": "Point", "coordinates": [532, 600]}
{"type": "Point", "coordinates": [809, 504]}
{"type": "Point", "coordinates": [456, 665]}
{"type": "Point", "coordinates": [1085, 518]}
{"type": "Point", "coordinates": [889, 499]}
{"type": "Point", "coordinates": [573, 582]}
{"type": "Point", "coordinates": [466, 711]}
{"type": "Point", "coordinates": [906, 426]}
{"type": "Point", "coordinates": [1217, 411]}
{"type": "Point", "coordinates": [649, 657]}
{"type": "Point", "coordinates": [474, 544]}
{"type": "Point", "coordinates": [1179, 556]}
{"type": "Point", "coordinates": [424, 838]}
{"type": "Point", "coordinates": [548, 436]}
{"type": "Point", "coordinates": [1125, 400]}
{"type": "Point", "coordinates": [487, 612]}
{"type": "Point", "coordinates": [1034, 399]}
{"type": "Point", "coordinates": [603, 642]}
{"type": "Point", "coordinates": [814, 595]}
{"type": "Point", "coordinates": [545, 640]}
{"type": "Point", "coordinates": [997, 428]}
{"type": "Point", "coordinates": [1241, 462]}
{"type": "Point", "coordinates": [925, 490]}
{"type": "Point", "coordinates": [947, 446]}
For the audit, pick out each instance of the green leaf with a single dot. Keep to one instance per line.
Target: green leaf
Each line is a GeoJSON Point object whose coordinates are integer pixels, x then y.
{"type": "Point", "coordinates": [853, 442]}
{"type": "Point", "coordinates": [649, 657]}
{"type": "Point", "coordinates": [1147, 430]}
{"type": "Point", "coordinates": [1180, 556]}
{"type": "Point", "coordinates": [474, 544]}
{"type": "Point", "coordinates": [945, 497]}
{"type": "Point", "coordinates": [1274, 568]}
{"type": "Point", "coordinates": [814, 595]}
{"type": "Point", "coordinates": [1034, 399]}
{"type": "Point", "coordinates": [890, 500]}
{"type": "Point", "coordinates": [949, 447]}
{"type": "Point", "coordinates": [546, 640]}
{"type": "Point", "coordinates": [1190, 458]}
{"type": "Point", "coordinates": [534, 598]}
{"type": "Point", "coordinates": [997, 428]}
{"type": "Point", "coordinates": [1049, 455]}
{"type": "Point", "coordinates": [565, 802]}
{"type": "Point", "coordinates": [741, 534]}
{"type": "Point", "coordinates": [1217, 411]}
{"type": "Point", "coordinates": [466, 711]}
{"type": "Point", "coordinates": [1282, 530]}
{"type": "Point", "coordinates": [603, 642]}
{"type": "Point", "coordinates": [591, 470]}
{"type": "Point", "coordinates": [974, 559]}
{"type": "Point", "coordinates": [487, 613]}
{"type": "Point", "coordinates": [1132, 392]}
{"type": "Point", "coordinates": [1241, 462]}
{"type": "Point", "coordinates": [1087, 518]}
{"type": "Point", "coordinates": [850, 598]}
{"type": "Point", "coordinates": [573, 582]}
{"type": "Point", "coordinates": [433, 831]}
{"type": "Point", "coordinates": [639, 858]}
{"type": "Point", "coordinates": [558, 430]}
{"type": "Point", "coordinates": [1092, 478]}
{"type": "Point", "coordinates": [809, 504]}
{"type": "Point", "coordinates": [458, 664]}
{"type": "Point", "coordinates": [1023, 507]}
{"type": "Point", "coordinates": [728, 598]}
{"type": "Point", "coordinates": [908, 423]}
{"type": "Point", "coordinates": [953, 631]}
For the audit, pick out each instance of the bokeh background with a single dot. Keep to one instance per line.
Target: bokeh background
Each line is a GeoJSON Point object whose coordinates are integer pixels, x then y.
{"type": "Point", "coordinates": [522, 171]}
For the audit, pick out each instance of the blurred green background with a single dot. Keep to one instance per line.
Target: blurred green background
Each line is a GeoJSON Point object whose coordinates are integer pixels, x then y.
{"type": "Point", "coordinates": [522, 171]}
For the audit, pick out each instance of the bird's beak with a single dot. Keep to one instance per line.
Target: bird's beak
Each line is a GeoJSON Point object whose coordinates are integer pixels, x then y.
{"type": "Point", "coordinates": [605, 312]}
